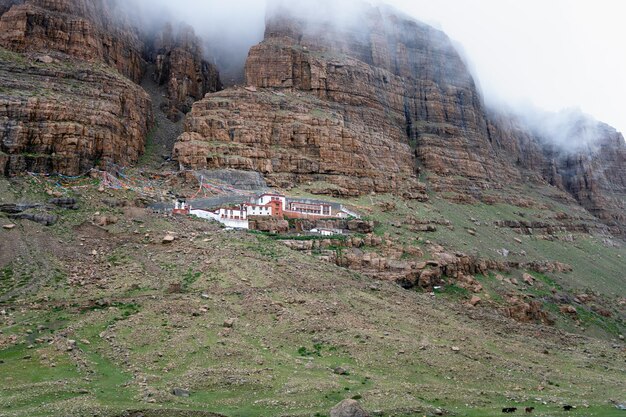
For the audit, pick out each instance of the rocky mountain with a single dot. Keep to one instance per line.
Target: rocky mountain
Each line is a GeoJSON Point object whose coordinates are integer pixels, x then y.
{"type": "Point", "coordinates": [368, 106]}
{"type": "Point", "coordinates": [355, 108]}
{"type": "Point", "coordinates": [70, 97]}
{"type": "Point", "coordinates": [393, 87]}
{"type": "Point", "coordinates": [94, 31]}
{"type": "Point", "coordinates": [480, 269]}
{"type": "Point", "coordinates": [179, 65]}
{"type": "Point", "coordinates": [577, 154]}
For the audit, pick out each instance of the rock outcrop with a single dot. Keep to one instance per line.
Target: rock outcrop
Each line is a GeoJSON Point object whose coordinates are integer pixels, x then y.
{"type": "Point", "coordinates": [293, 138]}
{"type": "Point", "coordinates": [94, 31]}
{"type": "Point", "coordinates": [366, 107]}
{"type": "Point", "coordinates": [67, 116]}
{"type": "Point", "coordinates": [180, 66]}
{"type": "Point", "coordinates": [575, 153]}
{"type": "Point", "coordinates": [393, 82]}
{"type": "Point", "coordinates": [67, 97]}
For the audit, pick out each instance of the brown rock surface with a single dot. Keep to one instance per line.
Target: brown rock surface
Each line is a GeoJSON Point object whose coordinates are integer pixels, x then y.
{"type": "Point", "coordinates": [363, 107]}
{"type": "Point", "coordinates": [90, 30]}
{"type": "Point", "coordinates": [67, 116]}
{"type": "Point", "coordinates": [180, 66]}
{"type": "Point", "coordinates": [293, 138]}
{"type": "Point", "coordinates": [579, 155]}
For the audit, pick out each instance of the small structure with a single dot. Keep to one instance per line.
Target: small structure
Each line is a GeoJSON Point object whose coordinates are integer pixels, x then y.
{"type": "Point", "coordinates": [235, 217]}
{"type": "Point", "coordinates": [181, 208]}
{"type": "Point", "coordinates": [272, 205]}
{"type": "Point", "coordinates": [320, 210]}
{"type": "Point", "coordinates": [327, 232]}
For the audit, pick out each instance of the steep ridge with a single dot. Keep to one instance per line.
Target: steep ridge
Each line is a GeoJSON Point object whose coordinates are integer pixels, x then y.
{"type": "Point", "coordinates": [89, 30]}
{"type": "Point", "coordinates": [579, 155]}
{"type": "Point", "coordinates": [72, 47]}
{"type": "Point", "coordinates": [179, 65]}
{"type": "Point", "coordinates": [67, 115]}
{"type": "Point", "coordinates": [68, 101]}
{"type": "Point", "coordinates": [402, 96]}
{"type": "Point", "coordinates": [400, 80]}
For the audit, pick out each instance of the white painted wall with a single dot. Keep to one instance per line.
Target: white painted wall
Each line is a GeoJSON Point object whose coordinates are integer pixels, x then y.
{"type": "Point", "coordinates": [259, 211]}
{"type": "Point", "coordinates": [207, 215]}
{"type": "Point", "coordinates": [266, 199]}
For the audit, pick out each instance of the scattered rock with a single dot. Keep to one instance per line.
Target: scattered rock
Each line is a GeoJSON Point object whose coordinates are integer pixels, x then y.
{"type": "Point", "coordinates": [104, 221]}
{"type": "Point", "coordinates": [387, 206]}
{"type": "Point", "coordinates": [179, 392]}
{"type": "Point", "coordinates": [45, 59]}
{"type": "Point", "coordinates": [68, 203]}
{"type": "Point", "coordinates": [168, 239]}
{"type": "Point", "coordinates": [229, 323]}
{"type": "Point", "coordinates": [528, 279]}
{"type": "Point", "coordinates": [341, 371]}
{"type": "Point", "coordinates": [45, 219]}
{"type": "Point", "coordinates": [348, 408]}
{"type": "Point", "coordinates": [569, 310]}
{"type": "Point", "coordinates": [475, 301]}
{"type": "Point", "coordinates": [504, 252]}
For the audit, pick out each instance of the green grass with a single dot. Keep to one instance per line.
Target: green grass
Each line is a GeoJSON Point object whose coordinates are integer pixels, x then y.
{"type": "Point", "coordinates": [189, 278]}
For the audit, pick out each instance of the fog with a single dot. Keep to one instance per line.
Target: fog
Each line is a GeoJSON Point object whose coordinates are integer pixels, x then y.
{"type": "Point", "coordinates": [555, 54]}
{"type": "Point", "coordinates": [551, 55]}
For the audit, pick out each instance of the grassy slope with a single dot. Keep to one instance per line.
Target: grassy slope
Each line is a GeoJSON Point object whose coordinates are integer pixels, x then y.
{"type": "Point", "coordinates": [297, 319]}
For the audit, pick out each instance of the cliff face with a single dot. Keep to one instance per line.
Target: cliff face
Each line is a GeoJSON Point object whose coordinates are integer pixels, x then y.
{"type": "Point", "coordinates": [594, 174]}
{"type": "Point", "coordinates": [94, 31]}
{"type": "Point", "coordinates": [397, 82]}
{"type": "Point", "coordinates": [65, 116]}
{"type": "Point", "coordinates": [570, 151]}
{"type": "Point", "coordinates": [294, 138]}
{"type": "Point", "coordinates": [403, 96]}
{"type": "Point", "coordinates": [64, 103]}
{"type": "Point", "coordinates": [180, 66]}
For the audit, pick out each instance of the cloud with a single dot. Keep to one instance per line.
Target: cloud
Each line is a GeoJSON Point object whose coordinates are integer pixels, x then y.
{"type": "Point", "coordinates": [557, 54]}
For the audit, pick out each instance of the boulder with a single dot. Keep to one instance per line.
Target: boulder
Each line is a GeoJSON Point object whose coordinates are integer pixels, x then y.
{"type": "Point", "coordinates": [361, 226]}
{"type": "Point", "coordinates": [528, 279]}
{"type": "Point", "coordinates": [568, 309]}
{"type": "Point", "coordinates": [179, 392]}
{"type": "Point", "coordinates": [45, 219]}
{"type": "Point", "coordinates": [167, 239]}
{"type": "Point", "coordinates": [69, 203]}
{"type": "Point", "coordinates": [230, 323]}
{"type": "Point", "coordinates": [348, 408]}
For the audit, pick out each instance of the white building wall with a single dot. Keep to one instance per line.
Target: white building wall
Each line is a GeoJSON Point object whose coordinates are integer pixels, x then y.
{"type": "Point", "coordinates": [266, 199]}
{"type": "Point", "coordinates": [207, 215]}
{"type": "Point", "coordinates": [259, 211]}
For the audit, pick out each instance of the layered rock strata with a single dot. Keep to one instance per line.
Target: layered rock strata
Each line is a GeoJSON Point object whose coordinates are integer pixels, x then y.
{"type": "Point", "coordinates": [67, 116]}
{"type": "Point", "coordinates": [180, 66]}
{"type": "Point", "coordinates": [293, 138]}
{"type": "Point", "coordinates": [394, 77]}
{"type": "Point", "coordinates": [94, 31]}
{"type": "Point", "coordinates": [579, 155]}
{"type": "Point", "coordinates": [406, 92]}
